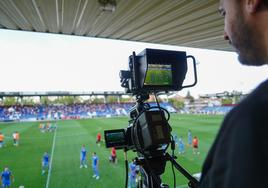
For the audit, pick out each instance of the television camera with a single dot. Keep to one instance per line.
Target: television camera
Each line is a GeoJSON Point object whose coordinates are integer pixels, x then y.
{"type": "Point", "coordinates": [149, 133]}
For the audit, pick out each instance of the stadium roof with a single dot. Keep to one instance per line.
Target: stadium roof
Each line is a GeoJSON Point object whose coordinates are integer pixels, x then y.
{"type": "Point", "coordinates": [61, 93]}
{"type": "Point", "coordinates": [191, 23]}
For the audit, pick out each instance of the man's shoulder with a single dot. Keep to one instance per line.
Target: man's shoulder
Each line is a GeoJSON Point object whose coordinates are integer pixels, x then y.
{"type": "Point", "coordinates": [258, 95]}
{"type": "Point", "coordinates": [255, 103]}
{"type": "Point", "coordinates": [249, 115]}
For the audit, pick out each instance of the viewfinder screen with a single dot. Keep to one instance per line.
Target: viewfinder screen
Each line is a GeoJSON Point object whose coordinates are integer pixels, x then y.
{"type": "Point", "coordinates": [115, 138]}
{"type": "Point", "coordinates": [158, 74]}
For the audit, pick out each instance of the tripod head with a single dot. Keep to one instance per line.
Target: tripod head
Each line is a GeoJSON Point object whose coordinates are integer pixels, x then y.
{"type": "Point", "coordinates": [152, 169]}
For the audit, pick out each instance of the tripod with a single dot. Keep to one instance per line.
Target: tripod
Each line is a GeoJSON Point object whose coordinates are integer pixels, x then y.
{"type": "Point", "coordinates": [152, 168]}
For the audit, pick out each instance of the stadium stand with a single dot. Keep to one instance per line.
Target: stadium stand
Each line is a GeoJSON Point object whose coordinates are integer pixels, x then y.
{"type": "Point", "coordinates": [216, 109]}
{"type": "Point", "coordinates": [75, 111]}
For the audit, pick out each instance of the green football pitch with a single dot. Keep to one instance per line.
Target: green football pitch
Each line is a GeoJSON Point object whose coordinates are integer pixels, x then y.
{"type": "Point", "coordinates": [65, 143]}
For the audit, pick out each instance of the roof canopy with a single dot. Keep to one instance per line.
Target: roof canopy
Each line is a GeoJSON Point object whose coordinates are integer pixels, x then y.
{"type": "Point", "coordinates": [191, 23]}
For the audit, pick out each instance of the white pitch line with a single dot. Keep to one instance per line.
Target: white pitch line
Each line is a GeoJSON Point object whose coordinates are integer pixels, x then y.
{"type": "Point", "coordinates": [182, 186]}
{"type": "Point", "coordinates": [51, 158]}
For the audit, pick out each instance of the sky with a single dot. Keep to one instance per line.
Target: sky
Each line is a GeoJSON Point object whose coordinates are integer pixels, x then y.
{"type": "Point", "coordinates": [50, 62]}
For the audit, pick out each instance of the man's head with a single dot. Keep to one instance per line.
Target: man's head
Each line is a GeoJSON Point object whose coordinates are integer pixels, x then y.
{"type": "Point", "coordinates": [246, 29]}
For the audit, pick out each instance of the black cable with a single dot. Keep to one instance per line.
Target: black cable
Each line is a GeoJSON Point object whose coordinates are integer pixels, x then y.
{"type": "Point", "coordinates": [161, 108]}
{"type": "Point", "coordinates": [126, 165]}
{"type": "Point", "coordinates": [172, 165]}
{"type": "Point", "coordinates": [173, 172]}
{"type": "Point", "coordinates": [155, 96]}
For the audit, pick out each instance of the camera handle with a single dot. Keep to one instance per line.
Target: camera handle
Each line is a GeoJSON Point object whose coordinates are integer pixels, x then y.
{"type": "Point", "coordinates": [195, 72]}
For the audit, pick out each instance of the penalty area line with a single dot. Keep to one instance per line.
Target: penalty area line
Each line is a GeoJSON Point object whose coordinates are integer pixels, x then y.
{"type": "Point", "coordinates": [51, 159]}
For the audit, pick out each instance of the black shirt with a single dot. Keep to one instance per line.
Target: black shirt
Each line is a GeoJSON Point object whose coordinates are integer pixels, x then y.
{"type": "Point", "coordinates": [239, 156]}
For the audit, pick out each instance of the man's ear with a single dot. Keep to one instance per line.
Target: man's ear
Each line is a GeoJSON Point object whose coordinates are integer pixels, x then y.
{"type": "Point", "coordinates": [252, 6]}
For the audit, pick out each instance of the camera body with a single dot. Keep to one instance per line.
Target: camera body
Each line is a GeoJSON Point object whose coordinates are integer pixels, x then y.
{"type": "Point", "coordinates": [149, 133]}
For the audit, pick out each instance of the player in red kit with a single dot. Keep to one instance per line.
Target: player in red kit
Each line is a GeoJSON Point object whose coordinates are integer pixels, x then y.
{"type": "Point", "coordinates": [195, 145]}
{"type": "Point", "coordinates": [113, 158]}
{"type": "Point", "coordinates": [98, 139]}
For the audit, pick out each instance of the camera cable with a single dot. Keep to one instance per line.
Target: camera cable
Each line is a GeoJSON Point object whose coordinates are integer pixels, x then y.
{"type": "Point", "coordinates": [173, 156]}
{"type": "Point", "coordinates": [126, 165]}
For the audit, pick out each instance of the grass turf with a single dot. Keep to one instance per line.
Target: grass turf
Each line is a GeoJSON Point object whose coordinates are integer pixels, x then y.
{"type": "Point", "coordinates": [25, 160]}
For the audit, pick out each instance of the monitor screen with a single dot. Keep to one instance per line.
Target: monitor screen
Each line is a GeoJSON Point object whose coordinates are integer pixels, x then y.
{"type": "Point", "coordinates": [115, 138]}
{"type": "Point", "coordinates": [158, 74]}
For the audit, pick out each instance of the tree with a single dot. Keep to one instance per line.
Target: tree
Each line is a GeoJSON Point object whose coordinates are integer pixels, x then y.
{"type": "Point", "coordinates": [97, 100]}
{"type": "Point", "coordinates": [177, 103]}
{"type": "Point", "coordinates": [226, 101]}
{"type": "Point", "coordinates": [78, 99]}
{"type": "Point", "coordinates": [111, 99]}
{"type": "Point", "coordinates": [68, 100]}
{"type": "Point", "coordinates": [189, 97]}
{"type": "Point", "coordinates": [27, 101]}
{"type": "Point", "coordinates": [126, 99]}
{"type": "Point", "coordinates": [45, 100]}
{"type": "Point", "coordinates": [9, 101]}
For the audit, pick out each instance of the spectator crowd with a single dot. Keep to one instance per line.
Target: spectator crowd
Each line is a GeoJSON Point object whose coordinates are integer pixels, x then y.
{"type": "Point", "coordinates": [74, 111]}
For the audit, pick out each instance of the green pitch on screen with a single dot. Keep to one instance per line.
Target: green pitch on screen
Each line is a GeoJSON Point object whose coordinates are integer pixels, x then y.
{"type": "Point", "coordinates": [158, 77]}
